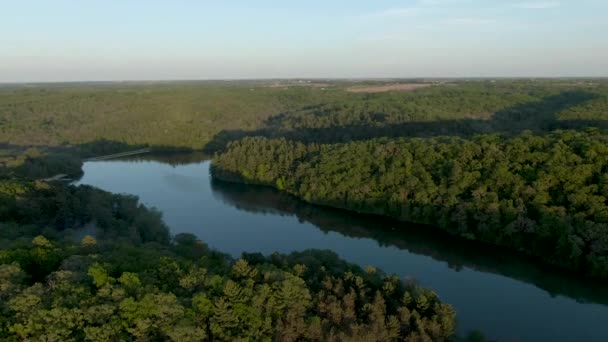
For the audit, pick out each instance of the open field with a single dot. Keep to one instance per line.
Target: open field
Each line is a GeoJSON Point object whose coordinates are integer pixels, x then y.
{"type": "Point", "coordinates": [387, 87]}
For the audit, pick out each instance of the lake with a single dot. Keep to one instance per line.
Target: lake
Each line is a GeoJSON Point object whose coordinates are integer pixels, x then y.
{"type": "Point", "coordinates": [506, 296]}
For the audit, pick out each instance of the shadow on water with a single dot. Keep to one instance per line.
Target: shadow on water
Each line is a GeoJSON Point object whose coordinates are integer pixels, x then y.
{"type": "Point", "coordinates": [418, 239]}
{"type": "Point", "coordinates": [538, 116]}
{"type": "Point", "coordinates": [171, 158]}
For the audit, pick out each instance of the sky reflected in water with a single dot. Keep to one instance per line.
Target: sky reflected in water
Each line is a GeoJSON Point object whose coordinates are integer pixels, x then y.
{"type": "Point", "coordinates": [501, 294]}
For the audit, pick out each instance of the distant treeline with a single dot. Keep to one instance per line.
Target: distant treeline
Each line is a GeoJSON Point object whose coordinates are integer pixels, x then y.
{"type": "Point", "coordinates": [545, 195]}
{"type": "Point", "coordinates": [172, 115]}
{"type": "Point", "coordinates": [197, 116]}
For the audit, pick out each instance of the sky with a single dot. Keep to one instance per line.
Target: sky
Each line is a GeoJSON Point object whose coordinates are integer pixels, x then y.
{"type": "Point", "coordinates": [95, 40]}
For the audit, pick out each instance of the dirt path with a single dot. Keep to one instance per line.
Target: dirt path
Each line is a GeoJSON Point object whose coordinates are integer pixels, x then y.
{"type": "Point", "coordinates": [58, 177]}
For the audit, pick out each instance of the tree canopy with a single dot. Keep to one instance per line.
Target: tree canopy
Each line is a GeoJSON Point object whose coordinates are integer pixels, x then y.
{"type": "Point", "coordinates": [545, 195]}
{"type": "Point", "coordinates": [78, 263]}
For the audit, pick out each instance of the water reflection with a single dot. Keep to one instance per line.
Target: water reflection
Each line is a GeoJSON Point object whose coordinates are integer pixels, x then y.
{"type": "Point", "coordinates": [171, 158]}
{"type": "Point", "coordinates": [418, 239]}
{"type": "Point", "coordinates": [505, 295]}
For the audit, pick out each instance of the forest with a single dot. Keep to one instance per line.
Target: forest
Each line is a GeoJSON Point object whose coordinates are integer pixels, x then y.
{"type": "Point", "coordinates": [78, 263]}
{"type": "Point", "coordinates": [160, 114]}
{"type": "Point", "coordinates": [543, 195]}
{"type": "Point", "coordinates": [444, 110]}
{"type": "Point", "coordinates": [207, 115]}
{"type": "Point", "coordinates": [521, 164]}
{"type": "Point", "coordinates": [457, 253]}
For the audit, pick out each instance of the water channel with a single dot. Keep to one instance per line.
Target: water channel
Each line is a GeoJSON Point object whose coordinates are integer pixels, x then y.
{"type": "Point", "coordinates": [506, 296]}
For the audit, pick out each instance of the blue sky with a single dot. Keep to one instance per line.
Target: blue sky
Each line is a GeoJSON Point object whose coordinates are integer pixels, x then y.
{"type": "Point", "coordinates": [64, 40]}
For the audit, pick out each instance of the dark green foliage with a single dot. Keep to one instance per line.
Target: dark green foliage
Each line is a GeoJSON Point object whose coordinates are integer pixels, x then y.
{"type": "Point", "coordinates": [456, 109]}
{"type": "Point", "coordinates": [63, 209]}
{"type": "Point", "coordinates": [38, 163]}
{"type": "Point", "coordinates": [544, 195]}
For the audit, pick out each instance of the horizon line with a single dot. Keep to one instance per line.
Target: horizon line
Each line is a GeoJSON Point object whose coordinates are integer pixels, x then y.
{"type": "Point", "coordinates": [232, 79]}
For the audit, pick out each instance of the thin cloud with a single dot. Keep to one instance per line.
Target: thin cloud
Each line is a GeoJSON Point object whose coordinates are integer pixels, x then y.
{"type": "Point", "coordinates": [417, 8]}
{"type": "Point", "coordinates": [386, 37]}
{"type": "Point", "coordinates": [458, 23]}
{"type": "Point", "coordinates": [469, 21]}
{"type": "Point", "coordinates": [538, 5]}
{"type": "Point", "coordinates": [396, 12]}
{"type": "Point", "coordinates": [440, 2]}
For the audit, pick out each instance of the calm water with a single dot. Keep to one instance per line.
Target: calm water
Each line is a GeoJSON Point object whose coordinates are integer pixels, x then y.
{"type": "Point", "coordinates": [503, 295]}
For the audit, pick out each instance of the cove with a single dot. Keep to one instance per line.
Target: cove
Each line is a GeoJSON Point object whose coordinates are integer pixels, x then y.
{"type": "Point", "coordinates": [506, 296]}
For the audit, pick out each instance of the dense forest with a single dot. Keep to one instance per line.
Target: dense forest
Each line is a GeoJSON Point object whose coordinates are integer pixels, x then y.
{"type": "Point", "coordinates": [207, 115]}
{"type": "Point", "coordinates": [545, 195]}
{"type": "Point", "coordinates": [453, 110]}
{"type": "Point", "coordinates": [77, 263]}
{"type": "Point", "coordinates": [517, 163]}
{"type": "Point", "coordinates": [457, 253]}
{"type": "Point", "coordinates": [172, 115]}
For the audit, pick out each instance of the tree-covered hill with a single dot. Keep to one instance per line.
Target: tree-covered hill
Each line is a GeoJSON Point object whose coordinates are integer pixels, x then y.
{"type": "Point", "coordinates": [545, 195]}
{"type": "Point", "coordinates": [457, 253]}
